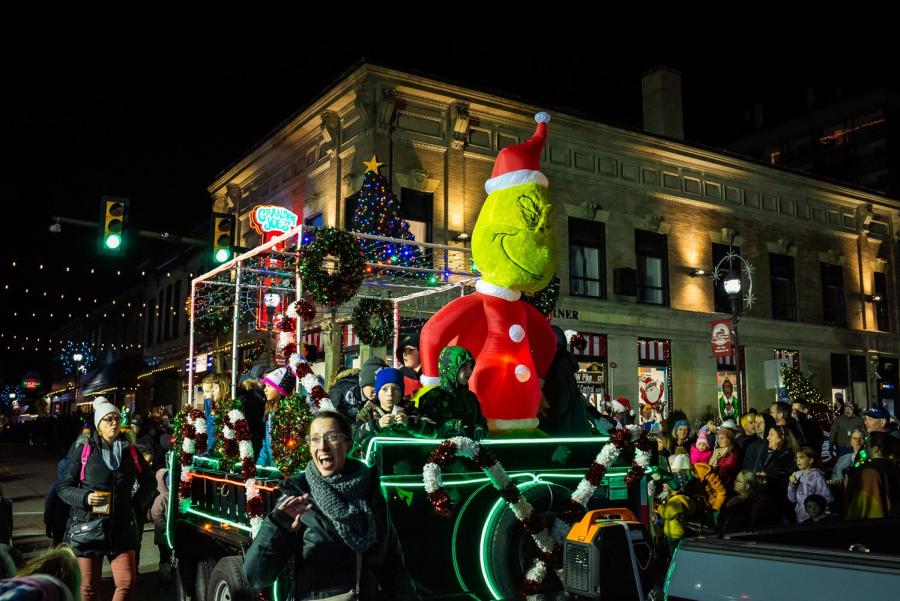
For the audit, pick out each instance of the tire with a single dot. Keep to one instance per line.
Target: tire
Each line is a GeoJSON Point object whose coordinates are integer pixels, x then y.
{"type": "Point", "coordinates": [227, 582]}
{"type": "Point", "coordinates": [178, 582]}
{"type": "Point", "coordinates": [202, 576]}
{"type": "Point", "coordinates": [510, 550]}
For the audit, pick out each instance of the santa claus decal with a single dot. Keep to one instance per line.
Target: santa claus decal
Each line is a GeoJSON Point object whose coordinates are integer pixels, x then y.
{"type": "Point", "coordinates": [514, 248]}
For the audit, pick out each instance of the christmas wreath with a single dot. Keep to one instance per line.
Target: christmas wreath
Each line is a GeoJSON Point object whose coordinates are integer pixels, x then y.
{"type": "Point", "coordinates": [548, 543]}
{"type": "Point", "coordinates": [341, 284]}
{"type": "Point", "coordinates": [373, 321]}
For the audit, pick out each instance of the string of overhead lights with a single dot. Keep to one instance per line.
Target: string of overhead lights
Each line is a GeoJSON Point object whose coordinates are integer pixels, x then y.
{"type": "Point", "coordinates": [90, 269]}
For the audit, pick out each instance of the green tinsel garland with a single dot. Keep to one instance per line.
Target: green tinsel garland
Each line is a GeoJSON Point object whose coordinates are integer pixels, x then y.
{"type": "Point", "coordinates": [290, 427]}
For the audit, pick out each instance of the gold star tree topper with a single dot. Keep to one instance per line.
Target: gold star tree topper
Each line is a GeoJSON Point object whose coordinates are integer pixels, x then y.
{"type": "Point", "coordinates": [373, 164]}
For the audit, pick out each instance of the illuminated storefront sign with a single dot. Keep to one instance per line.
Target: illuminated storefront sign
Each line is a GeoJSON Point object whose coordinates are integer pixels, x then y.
{"type": "Point", "coordinates": [268, 218]}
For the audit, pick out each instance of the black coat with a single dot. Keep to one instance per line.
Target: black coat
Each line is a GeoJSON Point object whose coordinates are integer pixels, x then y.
{"type": "Point", "coordinates": [323, 564]}
{"type": "Point", "coordinates": [254, 412]}
{"type": "Point", "coordinates": [567, 415]}
{"type": "Point", "coordinates": [123, 525]}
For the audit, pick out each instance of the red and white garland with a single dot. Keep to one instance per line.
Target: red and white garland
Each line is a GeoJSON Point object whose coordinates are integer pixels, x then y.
{"type": "Point", "coordinates": [195, 438]}
{"type": "Point", "coordinates": [318, 399]}
{"type": "Point", "coordinates": [549, 544]}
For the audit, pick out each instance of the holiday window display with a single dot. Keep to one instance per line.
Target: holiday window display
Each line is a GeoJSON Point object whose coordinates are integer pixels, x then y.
{"type": "Point", "coordinates": [514, 248]}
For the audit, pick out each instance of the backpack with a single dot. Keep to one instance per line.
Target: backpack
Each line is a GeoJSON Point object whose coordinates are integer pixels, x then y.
{"type": "Point", "coordinates": [86, 452]}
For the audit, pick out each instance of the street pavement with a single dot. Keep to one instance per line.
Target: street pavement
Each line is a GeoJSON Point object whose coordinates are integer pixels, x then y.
{"type": "Point", "coordinates": [26, 473]}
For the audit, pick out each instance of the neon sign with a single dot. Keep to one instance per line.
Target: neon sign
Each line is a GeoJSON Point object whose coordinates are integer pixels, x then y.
{"type": "Point", "coordinates": [269, 218]}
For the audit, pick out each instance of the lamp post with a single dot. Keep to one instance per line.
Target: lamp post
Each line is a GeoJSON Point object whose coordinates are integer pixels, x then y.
{"type": "Point", "coordinates": [733, 289]}
{"type": "Point", "coordinates": [77, 358]}
{"type": "Point", "coordinates": [271, 300]}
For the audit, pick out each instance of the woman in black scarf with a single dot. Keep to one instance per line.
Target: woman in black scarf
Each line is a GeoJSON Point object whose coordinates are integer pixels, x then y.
{"type": "Point", "coordinates": [333, 520]}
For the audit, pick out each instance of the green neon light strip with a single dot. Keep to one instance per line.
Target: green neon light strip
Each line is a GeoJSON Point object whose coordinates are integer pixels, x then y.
{"type": "Point", "coordinates": [173, 491]}
{"type": "Point", "coordinates": [459, 515]}
{"type": "Point", "coordinates": [216, 464]}
{"type": "Point", "coordinates": [420, 484]}
{"type": "Point", "coordinates": [389, 442]}
{"type": "Point", "coordinates": [218, 519]}
{"type": "Point", "coordinates": [275, 591]}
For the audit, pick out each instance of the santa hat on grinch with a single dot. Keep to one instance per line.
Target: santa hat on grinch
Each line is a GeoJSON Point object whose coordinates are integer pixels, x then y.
{"type": "Point", "coordinates": [622, 405]}
{"type": "Point", "coordinates": [521, 163]}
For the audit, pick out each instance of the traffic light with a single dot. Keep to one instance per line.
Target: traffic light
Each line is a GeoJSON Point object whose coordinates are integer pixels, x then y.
{"type": "Point", "coordinates": [222, 237]}
{"type": "Point", "coordinates": [113, 216]}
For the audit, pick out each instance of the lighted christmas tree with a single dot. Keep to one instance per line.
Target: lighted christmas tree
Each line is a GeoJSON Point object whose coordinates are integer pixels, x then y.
{"type": "Point", "coordinates": [378, 213]}
{"type": "Point", "coordinates": [799, 388]}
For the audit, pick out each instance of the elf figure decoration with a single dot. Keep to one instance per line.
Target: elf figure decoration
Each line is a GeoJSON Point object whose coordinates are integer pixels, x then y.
{"type": "Point", "coordinates": [514, 248]}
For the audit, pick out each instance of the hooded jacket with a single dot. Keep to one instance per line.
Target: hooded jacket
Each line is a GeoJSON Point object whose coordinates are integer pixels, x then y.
{"type": "Point", "coordinates": [811, 483]}
{"type": "Point", "coordinates": [324, 564]}
{"type": "Point", "coordinates": [567, 412]}
{"type": "Point", "coordinates": [345, 393]}
{"type": "Point", "coordinates": [159, 509]}
{"type": "Point", "coordinates": [451, 406]}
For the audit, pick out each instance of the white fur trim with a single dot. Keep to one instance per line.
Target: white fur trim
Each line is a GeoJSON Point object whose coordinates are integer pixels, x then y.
{"type": "Point", "coordinates": [544, 541]}
{"type": "Point", "coordinates": [200, 425]}
{"type": "Point", "coordinates": [326, 405]}
{"type": "Point", "coordinates": [429, 380]}
{"type": "Point", "coordinates": [583, 492]}
{"type": "Point", "coordinates": [522, 509]}
{"type": "Point", "coordinates": [228, 432]}
{"type": "Point", "coordinates": [498, 291]}
{"type": "Point", "coordinates": [515, 178]}
{"type": "Point", "coordinates": [513, 424]}
{"type": "Point", "coordinates": [523, 374]}
{"type": "Point", "coordinates": [542, 117]}
{"type": "Point", "coordinates": [516, 333]}
{"type": "Point", "coordinates": [498, 476]}
{"type": "Point", "coordinates": [234, 415]}
{"type": "Point", "coordinates": [292, 311]}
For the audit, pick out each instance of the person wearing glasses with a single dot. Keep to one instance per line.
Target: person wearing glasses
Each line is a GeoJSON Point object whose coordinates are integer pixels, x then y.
{"type": "Point", "coordinates": [98, 482]}
{"type": "Point", "coordinates": [334, 522]}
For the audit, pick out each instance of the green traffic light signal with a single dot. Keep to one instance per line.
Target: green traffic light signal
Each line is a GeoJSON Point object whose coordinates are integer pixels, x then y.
{"type": "Point", "coordinates": [113, 217]}
{"type": "Point", "coordinates": [222, 237]}
{"type": "Point", "coordinates": [113, 241]}
{"type": "Point", "coordinates": [222, 255]}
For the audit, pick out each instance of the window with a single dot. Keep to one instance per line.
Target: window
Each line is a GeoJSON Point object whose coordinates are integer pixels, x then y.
{"type": "Point", "coordinates": [881, 306]}
{"type": "Point", "coordinates": [719, 251]}
{"type": "Point", "coordinates": [652, 266]}
{"type": "Point", "coordinates": [833, 306]}
{"type": "Point", "coordinates": [168, 313]}
{"type": "Point", "coordinates": [417, 208]}
{"type": "Point", "coordinates": [587, 258]}
{"type": "Point", "coordinates": [784, 292]}
{"type": "Point", "coordinates": [315, 221]}
{"type": "Point", "coordinates": [160, 304]}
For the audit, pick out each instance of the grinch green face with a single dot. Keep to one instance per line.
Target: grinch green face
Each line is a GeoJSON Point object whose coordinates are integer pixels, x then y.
{"type": "Point", "coordinates": [513, 244]}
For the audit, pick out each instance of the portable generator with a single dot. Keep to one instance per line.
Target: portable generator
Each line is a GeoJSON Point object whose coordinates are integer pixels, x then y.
{"type": "Point", "coordinates": [607, 555]}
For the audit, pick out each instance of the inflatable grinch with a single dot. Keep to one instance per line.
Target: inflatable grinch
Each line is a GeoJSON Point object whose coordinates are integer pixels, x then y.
{"type": "Point", "coordinates": [514, 249]}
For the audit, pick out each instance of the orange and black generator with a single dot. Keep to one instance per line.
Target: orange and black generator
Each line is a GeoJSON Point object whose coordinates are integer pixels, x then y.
{"type": "Point", "coordinates": [608, 555]}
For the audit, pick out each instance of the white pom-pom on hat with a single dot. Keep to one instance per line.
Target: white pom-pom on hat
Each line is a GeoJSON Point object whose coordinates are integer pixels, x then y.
{"type": "Point", "coordinates": [542, 117]}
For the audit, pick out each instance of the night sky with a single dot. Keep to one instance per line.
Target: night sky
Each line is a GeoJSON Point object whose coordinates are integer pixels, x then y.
{"type": "Point", "coordinates": [157, 128]}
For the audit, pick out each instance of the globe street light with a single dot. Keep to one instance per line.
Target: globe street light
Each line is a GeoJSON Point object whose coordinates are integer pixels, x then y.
{"type": "Point", "coordinates": [733, 289]}
{"type": "Point", "coordinates": [77, 358]}
{"type": "Point", "coordinates": [271, 300]}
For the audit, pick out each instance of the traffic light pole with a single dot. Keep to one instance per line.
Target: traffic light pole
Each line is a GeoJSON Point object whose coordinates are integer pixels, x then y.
{"type": "Point", "coordinates": [163, 236]}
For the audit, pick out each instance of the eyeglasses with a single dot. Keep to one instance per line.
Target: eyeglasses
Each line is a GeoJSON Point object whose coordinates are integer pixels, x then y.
{"type": "Point", "coordinates": [110, 419]}
{"type": "Point", "coordinates": [330, 438]}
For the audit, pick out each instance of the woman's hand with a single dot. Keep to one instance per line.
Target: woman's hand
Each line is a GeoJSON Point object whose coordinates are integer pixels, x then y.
{"type": "Point", "coordinates": [96, 499]}
{"type": "Point", "coordinates": [294, 507]}
{"type": "Point", "coordinates": [385, 420]}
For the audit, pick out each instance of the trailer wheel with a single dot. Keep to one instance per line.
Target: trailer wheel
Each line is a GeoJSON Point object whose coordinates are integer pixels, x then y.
{"type": "Point", "coordinates": [227, 582]}
{"type": "Point", "coordinates": [204, 571]}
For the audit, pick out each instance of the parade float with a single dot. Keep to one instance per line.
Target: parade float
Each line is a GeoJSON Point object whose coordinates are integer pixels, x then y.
{"type": "Point", "coordinates": [481, 519]}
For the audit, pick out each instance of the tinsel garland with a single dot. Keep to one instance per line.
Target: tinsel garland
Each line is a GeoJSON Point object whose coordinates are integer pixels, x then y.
{"type": "Point", "coordinates": [545, 300]}
{"type": "Point", "coordinates": [290, 424]}
{"type": "Point", "coordinates": [254, 506]}
{"type": "Point", "coordinates": [379, 311]}
{"type": "Point", "coordinates": [339, 286]}
{"type": "Point", "coordinates": [201, 436]}
{"type": "Point", "coordinates": [318, 399]}
{"type": "Point", "coordinates": [187, 448]}
{"type": "Point", "coordinates": [548, 544]}
{"type": "Point", "coordinates": [304, 308]}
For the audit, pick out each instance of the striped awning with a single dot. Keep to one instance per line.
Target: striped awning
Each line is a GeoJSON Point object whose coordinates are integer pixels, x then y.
{"type": "Point", "coordinates": [314, 339]}
{"type": "Point", "coordinates": [794, 356]}
{"type": "Point", "coordinates": [595, 347]}
{"type": "Point", "coordinates": [349, 337]}
{"type": "Point", "coordinates": [652, 350]}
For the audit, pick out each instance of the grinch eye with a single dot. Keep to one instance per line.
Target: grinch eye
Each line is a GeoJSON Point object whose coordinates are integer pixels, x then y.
{"type": "Point", "coordinates": [529, 210]}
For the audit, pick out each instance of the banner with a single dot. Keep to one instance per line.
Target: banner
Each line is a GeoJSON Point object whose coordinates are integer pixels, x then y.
{"type": "Point", "coordinates": [721, 338]}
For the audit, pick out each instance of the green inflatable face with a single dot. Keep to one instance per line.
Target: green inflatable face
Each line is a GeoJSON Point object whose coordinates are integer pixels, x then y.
{"type": "Point", "coordinates": [513, 244]}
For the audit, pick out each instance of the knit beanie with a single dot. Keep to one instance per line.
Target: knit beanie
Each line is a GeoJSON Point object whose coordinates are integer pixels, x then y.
{"type": "Point", "coordinates": [701, 437]}
{"type": "Point", "coordinates": [389, 375]}
{"type": "Point", "coordinates": [282, 380]}
{"type": "Point", "coordinates": [680, 461]}
{"type": "Point", "coordinates": [368, 371]}
{"type": "Point", "coordinates": [102, 408]}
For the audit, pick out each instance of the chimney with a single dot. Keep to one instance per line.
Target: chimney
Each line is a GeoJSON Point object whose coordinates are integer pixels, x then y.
{"type": "Point", "coordinates": [661, 88]}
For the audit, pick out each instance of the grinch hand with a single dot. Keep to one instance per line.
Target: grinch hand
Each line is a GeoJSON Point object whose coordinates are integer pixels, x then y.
{"type": "Point", "coordinates": [514, 248]}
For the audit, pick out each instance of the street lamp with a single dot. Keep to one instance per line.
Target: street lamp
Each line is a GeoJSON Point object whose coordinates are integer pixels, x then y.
{"type": "Point", "coordinates": [271, 300]}
{"type": "Point", "coordinates": [77, 358]}
{"type": "Point", "coordinates": [733, 289]}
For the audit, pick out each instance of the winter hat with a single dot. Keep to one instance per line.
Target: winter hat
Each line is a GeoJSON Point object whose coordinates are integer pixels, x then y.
{"type": "Point", "coordinates": [679, 423]}
{"type": "Point", "coordinates": [877, 412]}
{"type": "Point", "coordinates": [622, 405]}
{"type": "Point", "coordinates": [729, 423]}
{"type": "Point", "coordinates": [701, 438]}
{"type": "Point", "coordinates": [408, 340]}
{"type": "Point", "coordinates": [102, 408]}
{"type": "Point", "coordinates": [680, 461]}
{"type": "Point", "coordinates": [368, 371]}
{"type": "Point", "coordinates": [282, 380]}
{"type": "Point", "coordinates": [389, 375]}
{"type": "Point", "coordinates": [521, 163]}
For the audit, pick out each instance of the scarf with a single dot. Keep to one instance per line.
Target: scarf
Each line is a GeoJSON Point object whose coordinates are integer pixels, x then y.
{"type": "Point", "coordinates": [112, 456]}
{"type": "Point", "coordinates": [343, 498]}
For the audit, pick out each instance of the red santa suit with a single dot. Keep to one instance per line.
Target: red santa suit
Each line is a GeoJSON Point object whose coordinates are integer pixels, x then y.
{"type": "Point", "coordinates": [513, 346]}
